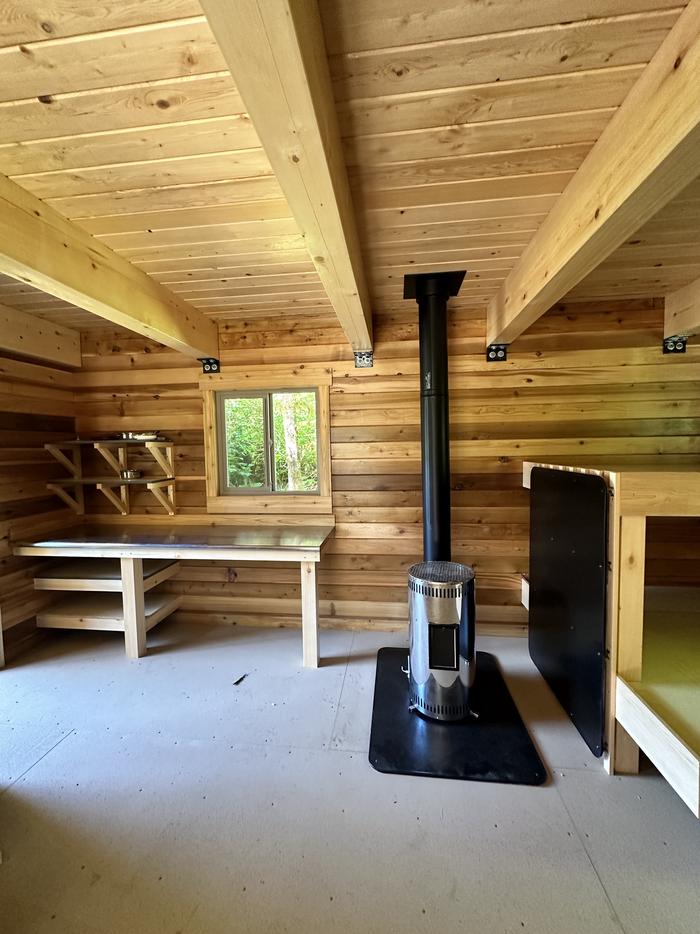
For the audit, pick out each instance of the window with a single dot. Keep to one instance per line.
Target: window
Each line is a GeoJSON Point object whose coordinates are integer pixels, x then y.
{"type": "Point", "coordinates": [268, 442]}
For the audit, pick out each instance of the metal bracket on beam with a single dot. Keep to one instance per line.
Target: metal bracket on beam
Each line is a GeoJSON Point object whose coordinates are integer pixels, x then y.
{"type": "Point", "coordinates": [210, 364]}
{"type": "Point", "coordinates": [364, 358]}
{"type": "Point", "coordinates": [675, 344]}
{"type": "Point", "coordinates": [496, 353]}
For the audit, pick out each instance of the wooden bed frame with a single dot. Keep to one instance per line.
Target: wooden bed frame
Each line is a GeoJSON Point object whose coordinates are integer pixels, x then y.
{"type": "Point", "coordinates": [644, 709]}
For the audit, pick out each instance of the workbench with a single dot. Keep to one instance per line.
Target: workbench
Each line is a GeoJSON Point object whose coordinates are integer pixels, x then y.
{"type": "Point", "coordinates": [141, 553]}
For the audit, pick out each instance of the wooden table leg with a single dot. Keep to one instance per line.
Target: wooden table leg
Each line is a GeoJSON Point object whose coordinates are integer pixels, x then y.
{"type": "Point", "coordinates": [309, 614]}
{"type": "Point", "coordinates": [133, 602]}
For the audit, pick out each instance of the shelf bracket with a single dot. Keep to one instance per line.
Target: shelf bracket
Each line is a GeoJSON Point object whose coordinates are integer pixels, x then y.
{"type": "Point", "coordinates": [72, 466]}
{"type": "Point", "coordinates": [164, 461]}
{"type": "Point", "coordinates": [75, 502]}
{"type": "Point", "coordinates": [120, 503]}
{"type": "Point", "coordinates": [75, 469]}
{"type": "Point", "coordinates": [116, 465]}
{"type": "Point", "coordinates": [166, 501]}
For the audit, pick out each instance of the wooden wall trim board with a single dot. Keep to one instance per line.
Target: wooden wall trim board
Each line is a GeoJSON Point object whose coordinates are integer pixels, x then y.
{"type": "Point", "coordinates": [267, 377]}
{"type": "Point", "coordinates": [645, 156]}
{"type": "Point", "coordinates": [276, 54]}
{"type": "Point", "coordinates": [39, 246]}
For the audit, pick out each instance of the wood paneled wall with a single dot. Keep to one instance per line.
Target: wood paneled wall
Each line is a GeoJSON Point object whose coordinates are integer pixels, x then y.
{"type": "Point", "coordinates": [36, 406]}
{"type": "Point", "coordinates": [588, 384]}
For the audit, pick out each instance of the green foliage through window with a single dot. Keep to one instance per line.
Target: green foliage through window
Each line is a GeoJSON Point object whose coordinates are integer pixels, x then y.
{"type": "Point", "coordinates": [296, 450]}
{"type": "Point", "coordinates": [245, 442]}
{"type": "Point", "coordinates": [270, 442]}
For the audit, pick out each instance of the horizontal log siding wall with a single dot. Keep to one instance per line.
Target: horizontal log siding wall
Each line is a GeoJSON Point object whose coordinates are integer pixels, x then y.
{"type": "Point", "coordinates": [36, 406]}
{"type": "Point", "coordinates": [587, 384]}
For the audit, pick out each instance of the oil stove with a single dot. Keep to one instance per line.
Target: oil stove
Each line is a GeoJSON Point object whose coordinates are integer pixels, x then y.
{"type": "Point", "coordinates": [441, 663]}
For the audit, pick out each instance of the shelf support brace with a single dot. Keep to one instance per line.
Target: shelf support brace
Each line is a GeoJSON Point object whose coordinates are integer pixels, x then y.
{"type": "Point", "coordinates": [166, 502]}
{"type": "Point", "coordinates": [116, 465]}
{"type": "Point", "coordinates": [72, 466]}
{"type": "Point", "coordinates": [120, 503]}
{"type": "Point", "coordinates": [75, 503]}
{"type": "Point", "coordinates": [164, 461]}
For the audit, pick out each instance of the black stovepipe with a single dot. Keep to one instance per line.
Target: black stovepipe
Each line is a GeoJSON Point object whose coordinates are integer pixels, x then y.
{"type": "Point", "coordinates": [431, 291]}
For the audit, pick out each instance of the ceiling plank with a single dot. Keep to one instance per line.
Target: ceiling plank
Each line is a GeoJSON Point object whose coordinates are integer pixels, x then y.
{"type": "Point", "coordinates": [363, 25]}
{"type": "Point", "coordinates": [682, 311]}
{"type": "Point", "coordinates": [645, 156]}
{"type": "Point", "coordinates": [41, 247]}
{"type": "Point", "coordinates": [276, 54]}
{"type": "Point", "coordinates": [22, 333]}
{"type": "Point", "coordinates": [172, 49]}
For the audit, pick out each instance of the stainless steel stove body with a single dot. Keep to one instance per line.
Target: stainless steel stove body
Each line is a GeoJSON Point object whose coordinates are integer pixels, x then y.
{"type": "Point", "coordinates": [442, 634]}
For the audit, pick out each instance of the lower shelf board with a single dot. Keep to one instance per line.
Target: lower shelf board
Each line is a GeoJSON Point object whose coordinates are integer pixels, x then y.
{"type": "Point", "coordinates": [102, 574]}
{"type": "Point", "coordinates": [103, 611]}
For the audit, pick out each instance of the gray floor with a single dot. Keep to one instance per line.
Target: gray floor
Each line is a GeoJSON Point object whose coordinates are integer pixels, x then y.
{"type": "Point", "coordinates": [158, 796]}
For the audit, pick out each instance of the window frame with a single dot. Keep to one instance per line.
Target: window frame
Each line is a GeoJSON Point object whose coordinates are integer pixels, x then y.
{"type": "Point", "coordinates": [267, 396]}
{"type": "Point", "coordinates": [292, 507]}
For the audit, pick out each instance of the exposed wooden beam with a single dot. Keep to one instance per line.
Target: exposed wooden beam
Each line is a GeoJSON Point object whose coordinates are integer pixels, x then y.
{"type": "Point", "coordinates": [682, 311]}
{"type": "Point", "coordinates": [644, 157]}
{"type": "Point", "coordinates": [40, 246]}
{"type": "Point", "coordinates": [22, 333]}
{"type": "Point", "coordinates": [277, 56]}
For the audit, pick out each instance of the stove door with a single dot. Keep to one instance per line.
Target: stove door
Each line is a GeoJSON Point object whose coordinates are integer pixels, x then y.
{"type": "Point", "coordinates": [443, 650]}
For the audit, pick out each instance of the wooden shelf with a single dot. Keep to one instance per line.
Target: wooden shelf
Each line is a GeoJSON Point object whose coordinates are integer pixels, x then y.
{"type": "Point", "coordinates": [661, 711]}
{"type": "Point", "coordinates": [70, 489]}
{"type": "Point", "coordinates": [115, 443]}
{"type": "Point", "coordinates": [102, 575]}
{"type": "Point", "coordinates": [103, 611]}
{"type": "Point", "coordinates": [112, 481]}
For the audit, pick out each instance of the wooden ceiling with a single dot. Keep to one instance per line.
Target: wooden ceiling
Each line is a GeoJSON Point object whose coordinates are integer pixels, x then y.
{"type": "Point", "coordinates": [19, 295]}
{"type": "Point", "coordinates": [124, 118]}
{"type": "Point", "coordinates": [663, 256]}
{"type": "Point", "coordinates": [459, 134]}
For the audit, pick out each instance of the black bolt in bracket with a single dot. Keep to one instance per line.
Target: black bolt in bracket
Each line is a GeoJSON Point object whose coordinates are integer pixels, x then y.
{"type": "Point", "coordinates": [210, 364]}
{"type": "Point", "coordinates": [675, 344]}
{"type": "Point", "coordinates": [496, 353]}
{"type": "Point", "coordinates": [364, 358]}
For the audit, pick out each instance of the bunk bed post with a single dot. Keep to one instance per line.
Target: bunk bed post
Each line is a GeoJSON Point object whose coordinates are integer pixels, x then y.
{"type": "Point", "coordinates": [630, 626]}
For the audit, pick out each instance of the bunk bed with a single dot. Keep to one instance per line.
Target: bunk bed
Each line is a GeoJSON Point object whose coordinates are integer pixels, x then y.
{"type": "Point", "coordinates": [652, 663]}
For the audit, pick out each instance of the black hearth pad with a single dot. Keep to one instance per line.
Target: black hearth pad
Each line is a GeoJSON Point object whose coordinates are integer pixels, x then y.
{"type": "Point", "coordinates": [496, 747]}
